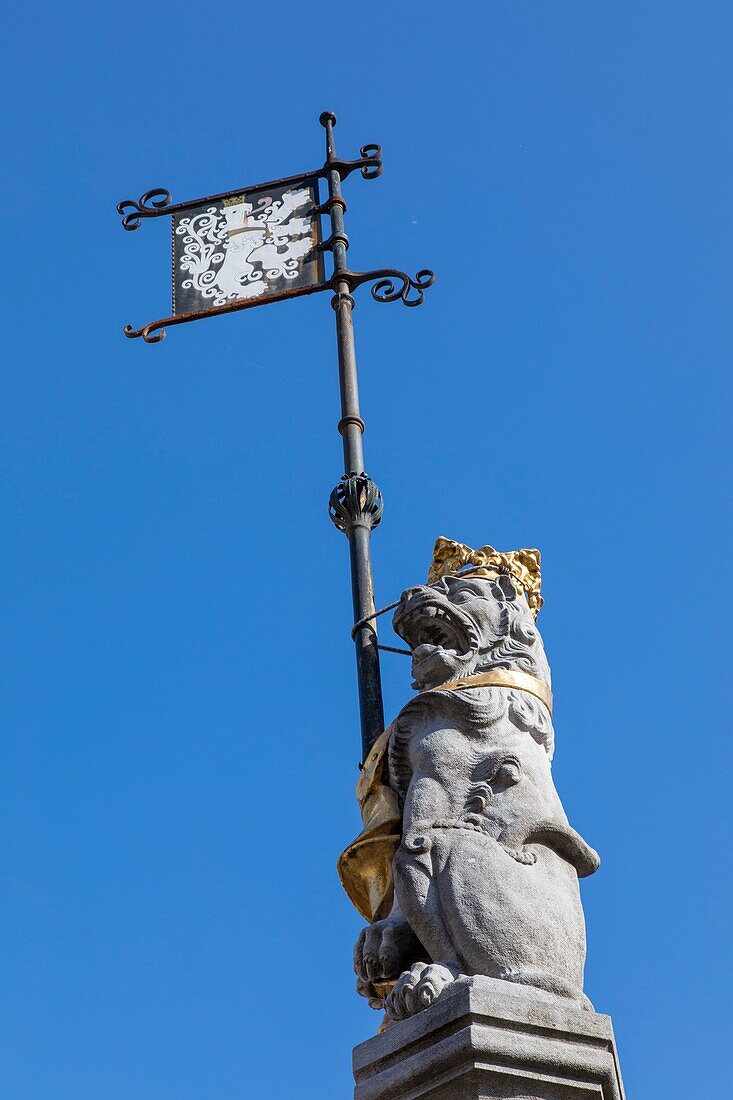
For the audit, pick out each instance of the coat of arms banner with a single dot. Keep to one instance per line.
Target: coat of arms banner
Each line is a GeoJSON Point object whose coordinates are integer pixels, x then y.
{"type": "Point", "coordinates": [253, 245]}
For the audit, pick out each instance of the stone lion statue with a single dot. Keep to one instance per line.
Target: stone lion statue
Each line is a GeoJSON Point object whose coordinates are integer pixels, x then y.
{"type": "Point", "coordinates": [467, 864]}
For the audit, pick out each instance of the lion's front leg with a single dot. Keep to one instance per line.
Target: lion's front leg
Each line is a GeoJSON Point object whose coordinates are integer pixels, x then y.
{"type": "Point", "coordinates": [417, 865]}
{"type": "Point", "coordinates": [383, 951]}
{"type": "Point", "coordinates": [422, 983]}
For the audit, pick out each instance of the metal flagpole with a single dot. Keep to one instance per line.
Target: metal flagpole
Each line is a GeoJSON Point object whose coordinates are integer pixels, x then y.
{"type": "Point", "coordinates": [262, 244]}
{"type": "Point", "coordinates": [355, 505]}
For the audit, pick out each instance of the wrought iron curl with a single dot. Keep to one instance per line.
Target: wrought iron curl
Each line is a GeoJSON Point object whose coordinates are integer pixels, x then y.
{"type": "Point", "coordinates": [385, 289]}
{"type": "Point", "coordinates": [392, 285]}
{"type": "Point", "coordinates": [151, 334]}
{"type": "Point", "coordinates": [149, 205]}
{"type": "Point", "coordinates": [372, 153]}
{"type": "Point", "coordinates": [370, 156]}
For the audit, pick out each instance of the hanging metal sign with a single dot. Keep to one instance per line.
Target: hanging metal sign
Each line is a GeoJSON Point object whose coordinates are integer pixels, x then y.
{"type": "Point", "coordinates": [263, 244]}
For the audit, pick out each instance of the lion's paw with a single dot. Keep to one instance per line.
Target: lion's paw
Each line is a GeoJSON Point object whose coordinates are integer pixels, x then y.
{"type": "Point", "coordinates": [383, 950]}
{"type": "Point", "coordinates": [418, 988]}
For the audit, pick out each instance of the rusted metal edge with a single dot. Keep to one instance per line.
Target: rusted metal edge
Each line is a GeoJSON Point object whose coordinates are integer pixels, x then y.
{"type": "Point", "coordinates": [390, 285]}
{"type": "Point", "coordinates": [157, 201]}
{"type": "Point", "coordinates": [154, 331]}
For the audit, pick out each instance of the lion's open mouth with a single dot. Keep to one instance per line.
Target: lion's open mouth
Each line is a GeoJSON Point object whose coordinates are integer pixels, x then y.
{"type": "Point", "coordinates": [427, 626]}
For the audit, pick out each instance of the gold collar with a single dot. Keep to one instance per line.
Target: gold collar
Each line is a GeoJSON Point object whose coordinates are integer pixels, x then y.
{"type": "Point", "coordinates": [502, 677]}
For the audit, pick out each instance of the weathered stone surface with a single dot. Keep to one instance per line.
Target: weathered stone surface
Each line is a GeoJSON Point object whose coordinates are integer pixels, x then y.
{"type": "Point", "coordinates": [486, 865]}
{"type": "Point", "coordinates": [485, 1039]}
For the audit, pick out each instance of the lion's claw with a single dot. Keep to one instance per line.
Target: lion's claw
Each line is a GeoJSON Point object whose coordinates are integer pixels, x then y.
{"type": "Point", "coordinates": [418, 988]}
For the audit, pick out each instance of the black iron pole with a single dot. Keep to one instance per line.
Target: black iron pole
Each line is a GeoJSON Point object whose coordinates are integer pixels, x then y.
{"type": "Point", "coordinates": [355, 505]}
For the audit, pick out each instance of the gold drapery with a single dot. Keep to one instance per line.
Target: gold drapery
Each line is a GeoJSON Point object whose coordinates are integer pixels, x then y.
{"type": "Point", "coordinates": [365, 866]}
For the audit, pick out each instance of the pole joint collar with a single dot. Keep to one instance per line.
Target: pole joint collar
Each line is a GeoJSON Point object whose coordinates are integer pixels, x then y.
{"type": "Point", "coordinates": [345, 421]}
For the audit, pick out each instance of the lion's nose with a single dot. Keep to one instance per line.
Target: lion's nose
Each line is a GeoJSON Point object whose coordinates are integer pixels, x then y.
{"type": "Point", "coordinates": [410, 592]}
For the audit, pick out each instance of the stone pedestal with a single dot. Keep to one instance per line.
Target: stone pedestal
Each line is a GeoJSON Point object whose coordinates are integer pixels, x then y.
{"type": "Point", "coordinates": [490, 1040]}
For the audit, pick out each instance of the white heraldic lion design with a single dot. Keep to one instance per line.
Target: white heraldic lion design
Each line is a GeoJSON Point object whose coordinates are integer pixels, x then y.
{"type": "Point", "coordinates": [238, 249]}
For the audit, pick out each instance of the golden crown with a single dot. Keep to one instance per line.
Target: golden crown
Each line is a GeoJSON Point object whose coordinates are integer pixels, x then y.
{"type": "Point", "coordinates": [523, 565]}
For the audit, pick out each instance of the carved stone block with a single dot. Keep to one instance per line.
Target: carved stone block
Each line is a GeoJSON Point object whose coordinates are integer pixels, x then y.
{"type": "Point", "coordinates": [485, 1039]}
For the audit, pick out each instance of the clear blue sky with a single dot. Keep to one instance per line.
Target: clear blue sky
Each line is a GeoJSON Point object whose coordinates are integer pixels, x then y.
{"type": "Point", "coordinates": [180, 738]}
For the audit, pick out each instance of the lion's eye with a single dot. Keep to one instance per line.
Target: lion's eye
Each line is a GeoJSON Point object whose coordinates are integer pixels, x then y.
{"type": "Point", "coordinates": [508, 774]}
{"type": "Point", "coordinates": [462, 597]}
